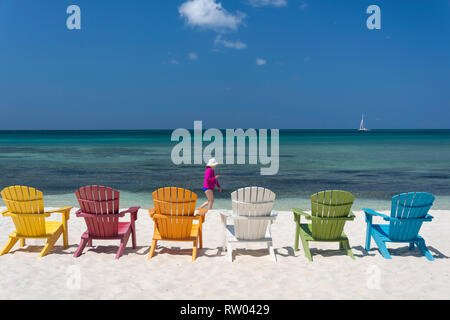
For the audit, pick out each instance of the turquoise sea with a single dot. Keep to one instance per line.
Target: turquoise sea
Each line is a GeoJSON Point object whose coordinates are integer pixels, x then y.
{"type": "Point", "coordinates": [373, 165]}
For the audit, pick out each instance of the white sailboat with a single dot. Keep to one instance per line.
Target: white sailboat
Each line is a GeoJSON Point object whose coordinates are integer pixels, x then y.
{"type": "Point", "coordinates": [361, 125]}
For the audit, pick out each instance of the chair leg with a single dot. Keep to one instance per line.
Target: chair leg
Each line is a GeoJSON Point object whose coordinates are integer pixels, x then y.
{"type": "Point", "coordinates": [382, 247]}
{"type": "Point", "coordinates": [411, 246]}
{"type": "Point", "coordinates": [133, 238]}
{"type": "Point", "coordinates": [123, 244]}
{"type": "Point", "coordinates": [200, 246]}
{"type": "Point", "coordinates": [297, 236]}
{"type": "Point", "coordinates": [346, 246]}
{"type": "Point", "coordinates": [306, 248]}
{"type": "Point", "coordinates": [89, 243]}
{"type": "Point", "coordinates": [8, 246]}
{"type": "Point", "coordinates": [194, 250]}
{"type": "Point", "coordinates": [22, 242]}
{"type": "Point", "coordinates": [424, 250]}
{"type": "Point", "coordinates": [223, 219]}
{"type": "Point", "coordinates": [50, 243]}
{"type": "Point", "coordinates": [271, 251]}
{"type": "Point", "coordinates": [81, 247]}
{"type": "Point", "coordinates": [229, 252]}
{"type": "Point", "coordinates": [368, 232]}
{"type": "Point", "coordinates": [65, 236]}
{"type": "Point", "coordinates": [341, 245]}
{"type": "Point", "coordinates": [152, 249]}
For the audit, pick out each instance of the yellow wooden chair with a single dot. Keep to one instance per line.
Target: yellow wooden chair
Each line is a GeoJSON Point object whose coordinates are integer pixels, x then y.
{"type": "Point", "coordinates": [174, 217]}
{"type": "Point", "coordinates": [26, 208]}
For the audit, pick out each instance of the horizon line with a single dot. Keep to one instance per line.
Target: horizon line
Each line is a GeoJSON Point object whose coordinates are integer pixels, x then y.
{"type": "Point", "coordinates": [166, 129]}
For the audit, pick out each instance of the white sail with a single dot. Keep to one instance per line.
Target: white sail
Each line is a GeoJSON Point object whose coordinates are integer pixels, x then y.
{"type": "Point", "coordinates": [361, 125]}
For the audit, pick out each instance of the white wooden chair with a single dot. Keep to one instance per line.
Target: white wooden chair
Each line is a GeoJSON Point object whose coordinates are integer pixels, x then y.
{"type": "Point", "coordinates": [252, 216]}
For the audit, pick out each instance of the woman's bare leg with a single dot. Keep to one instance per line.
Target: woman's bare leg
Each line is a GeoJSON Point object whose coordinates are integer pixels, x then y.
{"type": "Point", "coordinates": [210, 196]}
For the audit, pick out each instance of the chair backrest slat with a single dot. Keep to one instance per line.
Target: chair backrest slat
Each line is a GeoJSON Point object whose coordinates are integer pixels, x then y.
{"type": "Point", "coordinates": [171, 206]}
{"type": "Point", "coordinates": [407, 206]}
{"type": "Point", "coordinates": [174, 201]}
{"type": "Point", "coordinates": [25, 200]}
{"type": "Point", "coordinates": [251, 202]}
{"type": "Point", "coordinates": [99, 201]}
{"type": "Point", "coordinates": [330, 204]}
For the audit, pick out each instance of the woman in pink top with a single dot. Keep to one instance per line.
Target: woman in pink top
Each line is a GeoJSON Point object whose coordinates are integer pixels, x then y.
{"type": "Point", "coordinates": [210, 183]}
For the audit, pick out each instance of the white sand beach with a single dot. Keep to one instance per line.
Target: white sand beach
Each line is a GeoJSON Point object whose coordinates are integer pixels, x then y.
{"type": "Point", "coordinates": [170, 274]}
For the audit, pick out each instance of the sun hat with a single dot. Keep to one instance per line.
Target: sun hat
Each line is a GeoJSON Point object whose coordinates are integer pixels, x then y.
{"type": "Point", "coordinates": [212, 162]}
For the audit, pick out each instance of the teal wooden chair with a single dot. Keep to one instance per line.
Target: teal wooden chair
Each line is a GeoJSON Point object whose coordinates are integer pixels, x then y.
{"type": "Point", "coordinates": [408, 212]}
{"type": "Point", "coordinates": [330, 210]}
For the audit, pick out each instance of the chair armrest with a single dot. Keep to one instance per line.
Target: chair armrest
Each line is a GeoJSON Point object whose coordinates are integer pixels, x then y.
{"type": "Point", "coordinates": [225, 213]}
{"type": "Point", "coordinates": [298, 213]}
{"type": "Point", "coordinates": [426, 218]}
{"type": "Point", "coordinates": [26, 215]}
{"type": "Point", "coordinates": [351, 216]}
{"type": "Point", "coordinates": [374, 213]}
{"type": "Point", "coordinates": [64, 210]}
{"type": "Point", "coordinates": [202, 211]}
{"type": "Point", "coordinates": [5, 213]}
{"type": "Point", "coordinates": [60, 210]}
{"type": "Point", "coordinates": [202, 214]}
{"type": "Point", "coordinates": [133, 211]}
{"type": "Point", "coordinates": [152, 212]}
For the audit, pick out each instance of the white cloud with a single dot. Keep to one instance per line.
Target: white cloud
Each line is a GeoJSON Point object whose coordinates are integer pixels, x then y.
{"type": "Point", "coordinates": [238, 45]}
{"type": "Point", "coordinates": [261, 62]}
{"type": "Point", "coordinates": [263, 3]}
{"type": "Point", "coordinates": [192, 56]}
{"type": "Point", "coordinates": [210, 14]}
{"type": "Point", "coordinates": [173, 61]}
{"type": "Point", "coordinates": [303, 5]}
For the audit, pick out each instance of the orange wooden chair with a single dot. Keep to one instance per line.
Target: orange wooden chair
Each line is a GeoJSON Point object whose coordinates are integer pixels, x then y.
{"type": "Point", "coordinates": [174, 217]}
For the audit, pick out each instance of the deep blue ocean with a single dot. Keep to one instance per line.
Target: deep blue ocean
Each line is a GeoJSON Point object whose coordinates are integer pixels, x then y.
{"type": "Point", "coordinates": [373, 165]}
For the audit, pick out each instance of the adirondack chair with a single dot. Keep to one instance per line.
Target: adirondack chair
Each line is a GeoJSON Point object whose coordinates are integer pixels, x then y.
{"type": "Point", "coordinates": [408, 212]}
{"type": "Point", "coordinates": [252, 216]}
{"type": "Point", "coordinates": [26, 208]}
{"type": "Point", "coordinates": [329, 211]}
{"type": "Point", "coordinates": [174, 217]}
{"type": "Point", "coordinates": [99, 206]}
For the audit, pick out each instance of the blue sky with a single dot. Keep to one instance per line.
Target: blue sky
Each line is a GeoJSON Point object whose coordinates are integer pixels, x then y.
{"type": "Point", "coordinates": [245, 63]}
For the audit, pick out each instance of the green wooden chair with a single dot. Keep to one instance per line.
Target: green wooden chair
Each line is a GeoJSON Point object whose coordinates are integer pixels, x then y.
{"type": "Point", "coordinates": [329, 211]}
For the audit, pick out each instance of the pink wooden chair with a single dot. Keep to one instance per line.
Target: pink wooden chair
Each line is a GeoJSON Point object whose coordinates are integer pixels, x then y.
{"type": "Point", "coordinates": [99, 206]}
